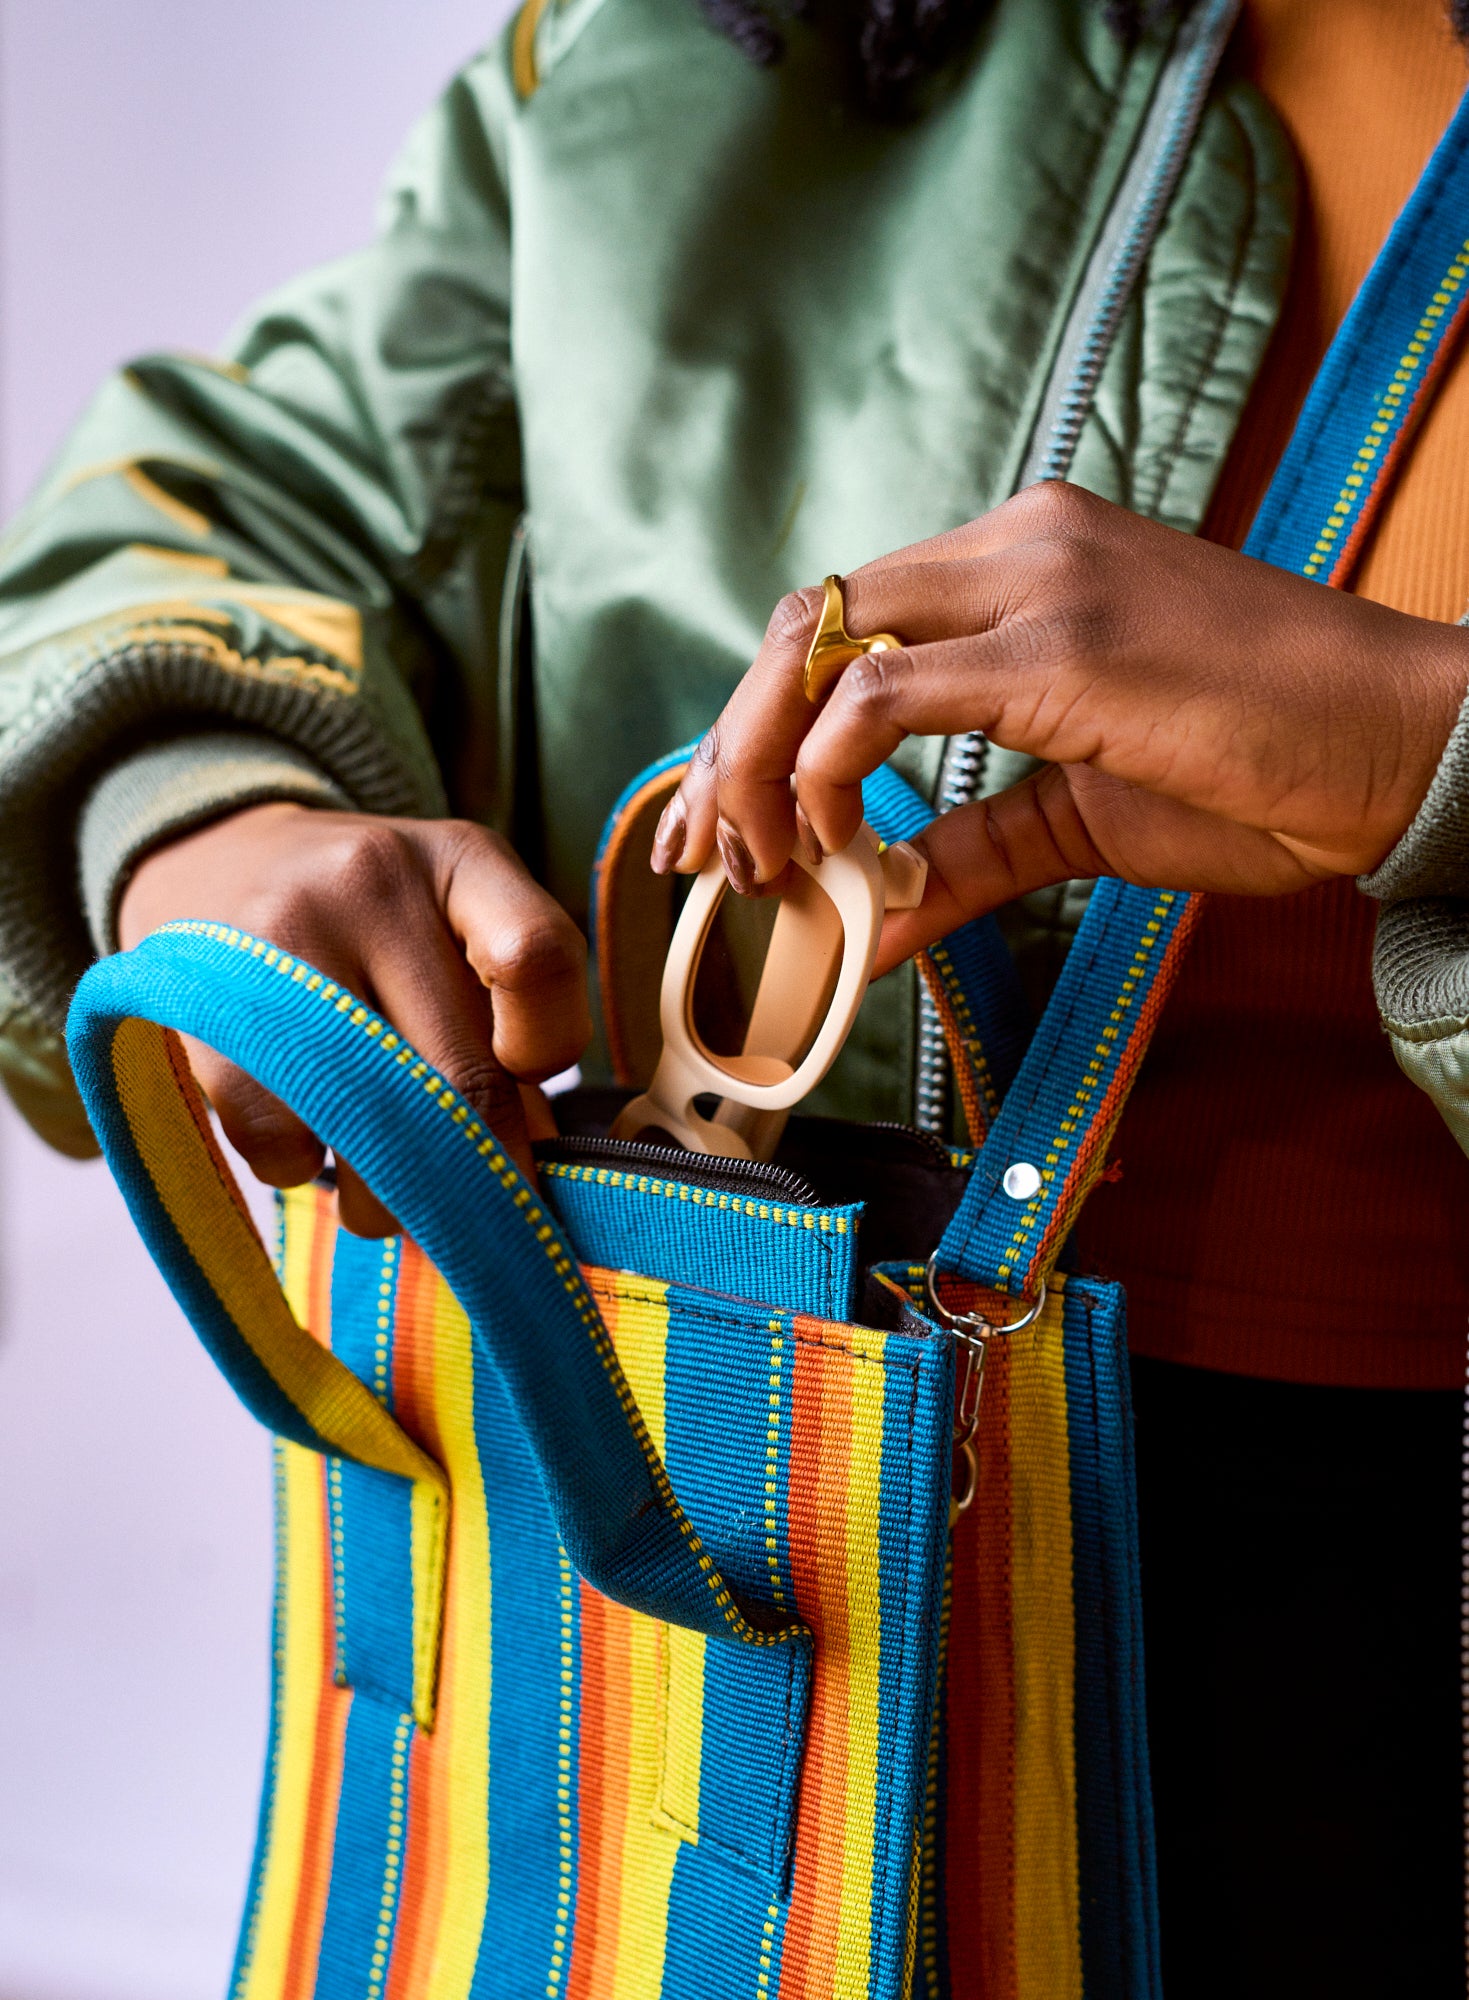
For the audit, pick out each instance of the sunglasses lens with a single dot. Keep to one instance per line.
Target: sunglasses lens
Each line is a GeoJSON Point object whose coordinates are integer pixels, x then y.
{"type": "Point", "coordinates": [765, 979]}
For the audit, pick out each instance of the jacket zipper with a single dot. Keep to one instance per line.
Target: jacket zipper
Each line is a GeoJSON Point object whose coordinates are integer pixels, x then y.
{"type": "Point", "coordinates": [705, 1170]}
{"type": "Point", "coordinates": [1112, 273]}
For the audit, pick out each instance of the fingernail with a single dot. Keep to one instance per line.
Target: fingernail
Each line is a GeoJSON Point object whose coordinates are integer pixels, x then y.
{"type": "Point", "coordinates": [811, 848]}
{"type": "Point", "coordinates": [736, 858]}
{"type": "Point", "coordinates": [668, 841]}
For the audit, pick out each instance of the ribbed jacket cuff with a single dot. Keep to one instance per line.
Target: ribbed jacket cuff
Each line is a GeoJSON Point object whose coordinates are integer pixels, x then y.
{"type": "Point", "coordinates": [167, 788]}
{"type": "Point", "coordinates": [1432, 858]}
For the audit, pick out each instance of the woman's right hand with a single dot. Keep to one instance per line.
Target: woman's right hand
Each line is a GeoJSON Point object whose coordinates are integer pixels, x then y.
{"type": "Point", "coordinates": [436, 924]}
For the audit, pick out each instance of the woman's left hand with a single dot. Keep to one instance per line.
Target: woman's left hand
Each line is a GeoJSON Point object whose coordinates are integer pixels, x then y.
{"type": "Point", "coordinates": [1207, 721]}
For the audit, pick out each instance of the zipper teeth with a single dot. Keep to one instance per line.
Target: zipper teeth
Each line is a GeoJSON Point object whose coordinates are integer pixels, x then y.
{"type": "Point", "coordinates": [964, 756]}
{"type": "Point", "coordinates": [700, 1169]}
{"type": "Point", "coordinates": [941, 1154]}
{"type": "Point", "coordinates": [1193, 88]}
{"type": "Point", "coordinates": [931, 1078]}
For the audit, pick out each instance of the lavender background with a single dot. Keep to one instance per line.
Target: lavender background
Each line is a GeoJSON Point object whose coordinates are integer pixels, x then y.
{"type": "Point", "coordinates": [161, 163]}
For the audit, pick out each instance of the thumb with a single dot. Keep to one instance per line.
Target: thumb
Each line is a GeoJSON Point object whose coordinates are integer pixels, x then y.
{"type": "Point", "coordinates": [988, 853]}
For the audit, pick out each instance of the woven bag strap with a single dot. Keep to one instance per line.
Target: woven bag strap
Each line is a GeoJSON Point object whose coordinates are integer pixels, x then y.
{"type": "Point", "coordinates": [425, 1153]}
{"type": "Point", "coordinates": [1049, 1144]}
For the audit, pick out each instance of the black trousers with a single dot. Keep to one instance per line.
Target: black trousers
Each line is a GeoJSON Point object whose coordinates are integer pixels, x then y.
{"type": "Point", "coordinates": [1301, 1578]}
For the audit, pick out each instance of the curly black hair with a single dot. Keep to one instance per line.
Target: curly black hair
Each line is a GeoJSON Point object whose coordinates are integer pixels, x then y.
{"type": "Point", "coordinates": [897, 43]}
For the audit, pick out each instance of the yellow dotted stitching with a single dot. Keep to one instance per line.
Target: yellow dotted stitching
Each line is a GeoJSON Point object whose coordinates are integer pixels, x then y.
{"type": "Point", "coordinates": [1388, 410]}
{"type": "Point", "coordinates": [382, 1341]}
{"type": "Point", "coordinates": [772, 1467]}
{"type": "Point", "coordinates": [767, 1946]}
{"type": "Point", "coordinates": [562, 1929]}
{"type": "Point", "coordinates": [339, 1593]}
{"type": "Point", "coordinates": [487, 1148]}
{"type": "Point", "coordinates": [762, 1211]}
{"type": "Point", "coordinates": [928, 1851]}
{"type": "Point", "coordinates": [393, 1866]}
{"type": "Point", "coordinates": [1102, 1057]}
{"type": "Point", "coordinates": [968, 1031]}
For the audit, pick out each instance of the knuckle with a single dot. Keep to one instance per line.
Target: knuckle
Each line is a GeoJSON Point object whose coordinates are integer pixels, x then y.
{"type": "Point", "coordinates": [867, 685]}
{"type": "Point", "coordinates": [533, 951]}
{"type": "Point", "coordinates": [488, 1087]}
{"type": "Point", "coordinates": [795, 618]}
{"type": "Point", "coordinates": [454, 839]}
{"type": "Point", "coordinates": [367, 861]}
{"type": "Point", "coordinates": [1055, 506]}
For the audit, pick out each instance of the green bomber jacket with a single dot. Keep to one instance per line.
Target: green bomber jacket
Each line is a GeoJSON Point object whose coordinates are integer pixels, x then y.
{"type": "Point", "coordinates": [486, 516]}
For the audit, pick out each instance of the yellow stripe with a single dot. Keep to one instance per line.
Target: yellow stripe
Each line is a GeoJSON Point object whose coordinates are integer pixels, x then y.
{"type": "Point", "coordinates": [220, 1237]}
{"type": "Point", "coordinates": [864, 1628]}
{"type": "Point", "coordinates": [147, 489]}
{"type": "Point", "coordinates": [649, 1848]}
{"type": "Point", "coordinates": [197, 1192]}
{"type": "Point", "coordinates": [464, 1760]}
{"type": "Point", "coordinates": [303, 1533]}
{"type": "Point", "coordinates": [524, 69]}
{"type": "Point", "coordinates": [682, 1750]}
{"type": "Point", "coordinates": [298, 1229]}
{"type": "Point", "coordinates": [666, 1723]}
{"type": "Point", "coordinates": [1047, 1911]}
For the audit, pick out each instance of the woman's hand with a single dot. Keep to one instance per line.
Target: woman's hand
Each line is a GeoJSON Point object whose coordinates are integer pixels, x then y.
{"type": "Point", "coordinates": [434, 923]}
{"type": "Point", "coordinates": [1207, 721]}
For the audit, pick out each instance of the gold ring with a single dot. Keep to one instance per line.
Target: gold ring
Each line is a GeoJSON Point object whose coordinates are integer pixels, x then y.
{"type": "Point", "coordinates": [833, 647]}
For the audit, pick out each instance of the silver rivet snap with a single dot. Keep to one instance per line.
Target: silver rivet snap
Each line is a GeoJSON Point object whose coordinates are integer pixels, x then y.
{"type": "Point", "coordinates": [1021, 1181]}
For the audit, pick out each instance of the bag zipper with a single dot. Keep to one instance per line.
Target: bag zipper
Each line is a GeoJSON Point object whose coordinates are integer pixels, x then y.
{"type": "Point", "coordinates": [1106, 288]}
{"type": "Point", "coordinates": [705, 1170]}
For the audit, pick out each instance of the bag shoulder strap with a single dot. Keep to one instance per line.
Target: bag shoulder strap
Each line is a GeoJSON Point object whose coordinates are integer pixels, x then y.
{"type": "Point", "coordinates": [1048, 1146]}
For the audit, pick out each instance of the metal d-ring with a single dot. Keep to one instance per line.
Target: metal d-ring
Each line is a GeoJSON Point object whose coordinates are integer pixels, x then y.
{"type": "Point", "coordinates": [975, 1326]}
{"type": "Point", "coordinates": [974, 1334]}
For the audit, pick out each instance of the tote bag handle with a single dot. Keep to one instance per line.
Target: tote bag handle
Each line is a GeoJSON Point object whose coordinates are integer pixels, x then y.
{"type": "Point", "coordinates": [425, 1153]}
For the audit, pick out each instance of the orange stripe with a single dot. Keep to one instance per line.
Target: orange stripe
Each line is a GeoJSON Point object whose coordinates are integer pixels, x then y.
{"type": "Point", "coordinates": [980, 1676]}
{"type": "Point", "coordinates": [319, 1283]}
{"type": "Point", "coordinates": [421, 1904]}
{"type": "Point", "coordinates": [821, 1413]}
{"type": "Point", "coordinates": [416, 1926]}
{"type": "Point", "coordinates": [609, 872]}
{"type": "Point", "coordinates": [326, 1780]}
{"type": "Point", "coordinates": [606, 1695]}
{"type": "Point", "coordinates": [588, 1799]}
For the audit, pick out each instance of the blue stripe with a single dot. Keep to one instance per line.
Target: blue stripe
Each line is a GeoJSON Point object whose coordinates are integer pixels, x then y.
{"type": "Point", "coordinates": [979, 1241]}
{"type": "Point", "coordinates": [718, 1920]}
{"type": "Point", "coordinates": [803, 1258]}
{"type": "Point", "coordinates": [913, 1529]}
{"type": "Point", "coordinates": [245, 1945]}
{"type": "Point", "coordinates": [371, 1512]}
{"type": "Point", "coordinates": [717, 1373]}
{"type": "Point", "coordinates": [1372, 340]}
{"type": "Point", "coordinates": [518, 1940]}
{"type": "Point", "coordinates": [367, 1854]}
{"type": "Point", "coordinates": [1114, 1814]}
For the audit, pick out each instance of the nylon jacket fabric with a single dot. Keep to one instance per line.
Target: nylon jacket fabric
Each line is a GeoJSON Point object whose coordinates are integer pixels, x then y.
{"type": "Point", "coordinates": [704, 329]}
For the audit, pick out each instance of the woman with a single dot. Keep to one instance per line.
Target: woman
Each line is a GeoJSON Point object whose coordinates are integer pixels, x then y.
{"type": "Point", "coordinates": [659, 327]}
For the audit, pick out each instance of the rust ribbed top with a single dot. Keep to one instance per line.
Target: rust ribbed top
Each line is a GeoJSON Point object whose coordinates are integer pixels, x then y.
{"type": "Point", "coordinates": [1290, 1205]}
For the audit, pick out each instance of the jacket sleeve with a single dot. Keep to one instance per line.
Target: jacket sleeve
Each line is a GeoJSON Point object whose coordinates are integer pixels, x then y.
{"type": "Point", "coordinates": [1420, 963]}
{"type": "Point", "coordinates": [294, 555]}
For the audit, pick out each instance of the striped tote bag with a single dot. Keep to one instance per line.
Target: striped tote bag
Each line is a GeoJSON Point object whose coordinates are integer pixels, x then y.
{"type": "Point", "coordinates": [631, 1638]}
{"type": "Point", "coordinates": [640, 1629]}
